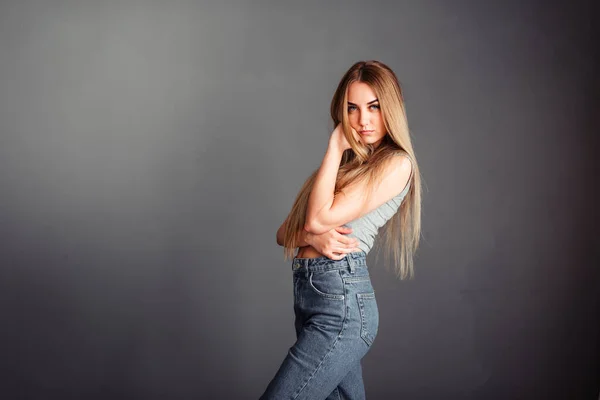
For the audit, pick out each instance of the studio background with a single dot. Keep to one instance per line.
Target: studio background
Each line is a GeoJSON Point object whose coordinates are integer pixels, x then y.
{"type": "Point", "coordinates": [150, 150]}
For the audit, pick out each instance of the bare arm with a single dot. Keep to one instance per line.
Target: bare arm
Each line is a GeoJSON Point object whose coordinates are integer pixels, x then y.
{"type": "Point", "coordinates": [321, 196]}
{"type": "Point", "coordinates": [303, 237]}
{"type": "Point", "coordinates": [326, 212]}
{"type": "Point", "coordinates": [333, 244]}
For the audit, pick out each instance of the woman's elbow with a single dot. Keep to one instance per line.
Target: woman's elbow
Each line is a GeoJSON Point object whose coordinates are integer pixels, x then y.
{"type": "Point", "coordinates": [315, 228]}
{"type": "Point", "coordinates": [279, 238]}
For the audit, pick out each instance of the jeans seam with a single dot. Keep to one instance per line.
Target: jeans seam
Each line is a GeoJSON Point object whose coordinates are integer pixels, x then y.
{"type": "Point", "coordinates": [337, 339]}
{"type": "Point", "coordinates": [355, 279]}
{"type": "Point", "coordinates": [364, 331]}
{"type": "Point", "coordinates": [323, 294]}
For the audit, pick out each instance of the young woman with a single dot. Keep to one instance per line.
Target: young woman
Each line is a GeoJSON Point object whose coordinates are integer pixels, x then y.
{"type": "Point", "coordinates": [368, 179]}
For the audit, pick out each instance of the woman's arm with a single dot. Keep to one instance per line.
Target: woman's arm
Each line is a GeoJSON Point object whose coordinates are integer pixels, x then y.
{"type": "Point", "coordinates": [303, 237]}
{"type": "Point", "coordinates": [321, 196]}
{"type": "Point", "coordinates": [324, 211]}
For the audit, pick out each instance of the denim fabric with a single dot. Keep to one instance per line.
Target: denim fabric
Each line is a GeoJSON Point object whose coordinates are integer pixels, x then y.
{"type": "Point", "coordinates": [336, 323]}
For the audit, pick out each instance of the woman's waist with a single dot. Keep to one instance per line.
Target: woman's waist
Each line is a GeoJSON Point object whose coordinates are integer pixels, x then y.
{"type": "Point", "coordinates": [318, 262]}
{"type": "Point", "coordinates": [311, 252]}
{"type": "Point", "coordinates": [308, 252]}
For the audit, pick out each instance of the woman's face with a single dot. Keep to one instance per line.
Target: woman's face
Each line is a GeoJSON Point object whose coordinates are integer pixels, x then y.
{"type": "Point", "coordinates": [364, 113]}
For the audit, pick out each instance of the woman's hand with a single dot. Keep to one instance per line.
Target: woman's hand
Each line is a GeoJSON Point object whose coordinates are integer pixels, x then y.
{"type": "Point", "coordinates": [334, 244]}
{"type": "Point", "coordinates": [339, 140]}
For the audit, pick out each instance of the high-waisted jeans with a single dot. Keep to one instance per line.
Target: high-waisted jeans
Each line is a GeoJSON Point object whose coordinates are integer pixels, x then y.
{"type": "Point", "coordinates": [336, 323]}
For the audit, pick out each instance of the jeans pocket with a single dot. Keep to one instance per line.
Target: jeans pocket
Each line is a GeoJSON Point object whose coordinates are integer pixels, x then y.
{"type": "Point", "coordinates": [369, 316]}
{"type": "Point", "coordinates": [327, 284]}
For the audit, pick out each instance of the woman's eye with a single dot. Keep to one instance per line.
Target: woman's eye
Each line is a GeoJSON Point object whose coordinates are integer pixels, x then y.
{"type": "Point", "coordinates": [372, 107]}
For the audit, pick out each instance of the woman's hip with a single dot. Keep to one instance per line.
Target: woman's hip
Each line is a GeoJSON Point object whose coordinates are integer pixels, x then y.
{"type": "Point", "coordinates": [336, 295]}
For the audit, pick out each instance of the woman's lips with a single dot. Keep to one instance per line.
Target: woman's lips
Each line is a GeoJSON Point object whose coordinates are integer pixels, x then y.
{"type": "Point", "coordinates": [366, 132]}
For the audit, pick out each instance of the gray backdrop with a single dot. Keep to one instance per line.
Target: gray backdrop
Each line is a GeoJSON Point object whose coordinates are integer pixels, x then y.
{"type": "Point", "coordinates": [150, 150]}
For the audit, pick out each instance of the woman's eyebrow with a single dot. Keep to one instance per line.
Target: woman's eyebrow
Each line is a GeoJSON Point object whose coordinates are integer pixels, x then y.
{"type": "Point", "coordinates": [372, 101]}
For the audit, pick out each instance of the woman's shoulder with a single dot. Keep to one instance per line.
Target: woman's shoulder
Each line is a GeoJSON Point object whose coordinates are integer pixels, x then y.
{"type": "Point", "coordinates": [401, 153]}
{"type": "Point", "coordinates": [401, 169]}
{"type": "Point", "coordinates": [401, 160]}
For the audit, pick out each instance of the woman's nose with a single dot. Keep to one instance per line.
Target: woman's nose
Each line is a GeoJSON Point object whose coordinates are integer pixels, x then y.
{"type": "Point", "coordinates": [364, 118]}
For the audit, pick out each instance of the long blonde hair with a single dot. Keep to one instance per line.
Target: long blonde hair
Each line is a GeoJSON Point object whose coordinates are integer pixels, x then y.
{"type": "Point", "coordinates": [364, 163]}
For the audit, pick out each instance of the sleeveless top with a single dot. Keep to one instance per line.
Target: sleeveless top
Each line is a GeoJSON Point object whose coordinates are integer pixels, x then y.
{"type": "Point", "coordinates": [365, 228]}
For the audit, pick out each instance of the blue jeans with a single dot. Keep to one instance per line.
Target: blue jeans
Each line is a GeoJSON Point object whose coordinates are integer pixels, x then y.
{"type": "Point", "coordinates": [336, 323]}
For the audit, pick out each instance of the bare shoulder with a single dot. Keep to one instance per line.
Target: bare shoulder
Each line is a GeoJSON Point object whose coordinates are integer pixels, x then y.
{"type": "Point", "coordinates": [397, 173]}
{"type": "Point", "coordinates": [402, 163]}
{"type": "Point", "coordinates": [351, 203]}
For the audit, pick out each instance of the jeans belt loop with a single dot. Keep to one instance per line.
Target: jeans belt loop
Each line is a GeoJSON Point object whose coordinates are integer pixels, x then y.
{"type": "Point", "coordinates": [350, 263]}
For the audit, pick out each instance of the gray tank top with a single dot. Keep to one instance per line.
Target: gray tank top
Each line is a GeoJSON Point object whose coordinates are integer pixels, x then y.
{"type": "Point", "coordinates": [365, 228]}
